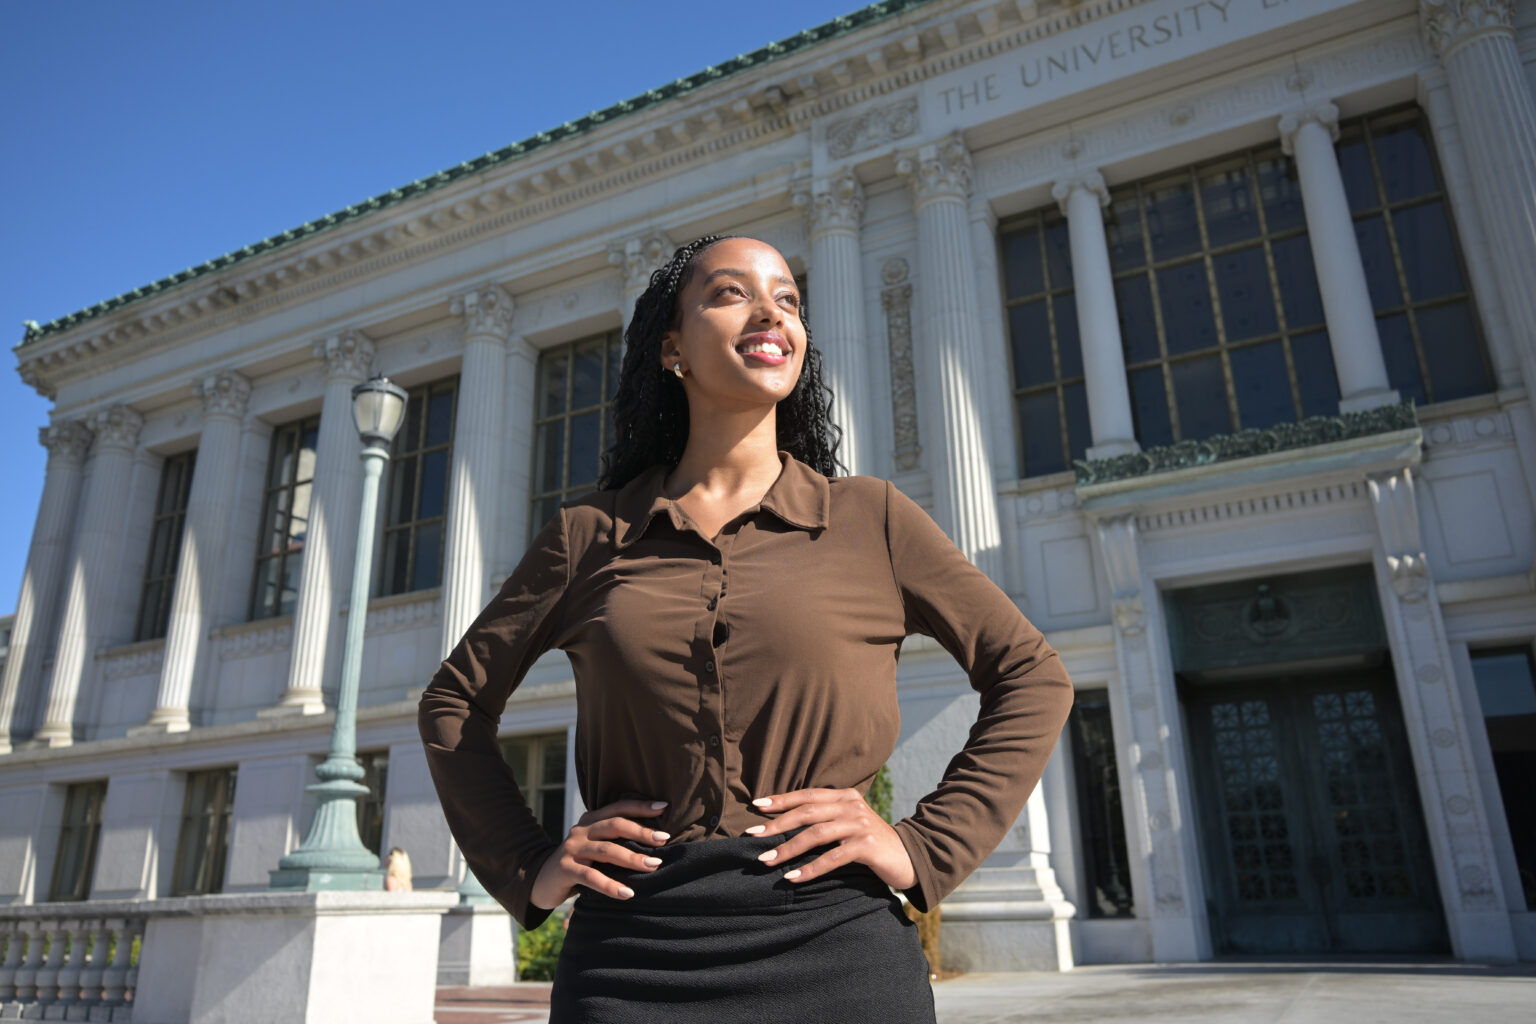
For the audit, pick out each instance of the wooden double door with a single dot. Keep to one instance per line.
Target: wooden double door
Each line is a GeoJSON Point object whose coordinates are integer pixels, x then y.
{"type": "Point", "coordinates": [1309, 815]}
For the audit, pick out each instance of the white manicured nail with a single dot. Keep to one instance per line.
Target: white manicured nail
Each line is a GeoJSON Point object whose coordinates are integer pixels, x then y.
{"type": "Point", "coordinates": [792, 874]}
{"type": "Point", "coordinates": [626, 892]}
{"type": "Point", "coordinates": [762, 801]}
{"type": "Point", "coordinates": [755, 829]}
{"type": "Point", "coordinates": [765, 857]}
{"type": "Point", "coordinates": [658, 805]}
{"type": "Point", "coordinates": [653, 861]}
{"type": "Point", "coordinates": [660, 836]}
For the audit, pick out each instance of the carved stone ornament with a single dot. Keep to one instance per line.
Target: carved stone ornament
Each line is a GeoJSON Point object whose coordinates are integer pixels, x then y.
{"type": "Point", "coordinates": [1245, 443]}
{"type": "Point", "coordinates": [638, 258]}
{"type": "Point", "coordinates": [1449, 23]}
{"type": "Point", "coordinates": [486, 310]}
{"type": "Point", "coordinates": [116, 427]}
{"type": "Point", "coordinates": [224, 393]}
{"type": "Point", "coordinates": [1325, 114]}
{"type": "Point", "coordinates": [69, 440]}
{"type": "Point", "coordinates": [1130, 616]}
{"type": "Point", "coordinates": [837, 204]}
{"type": "Point", "coordinates": [896, 300]}
{"type": "Point", "coordinates": [346, 354]}
{"type": "Point", "coordinates": [1397, 520]}
{"type": "Point", "coordinates": [871, 128]}
{"type": "Point", "coordinates": [1091, 181]}
{"type": "Point", "coordinates": [938, 170]}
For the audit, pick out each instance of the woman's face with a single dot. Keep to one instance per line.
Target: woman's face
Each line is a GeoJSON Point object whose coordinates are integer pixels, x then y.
{"type": "Point", "coordinates": [739, 337]}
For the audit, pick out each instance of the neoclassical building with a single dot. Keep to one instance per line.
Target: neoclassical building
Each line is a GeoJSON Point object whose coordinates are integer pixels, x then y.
{"type": "Point", "coordinates": [1207, 328]}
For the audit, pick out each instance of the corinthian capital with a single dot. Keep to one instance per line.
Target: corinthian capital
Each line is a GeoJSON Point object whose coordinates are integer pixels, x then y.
{"type": "Point", "coordinates": [224, 393]}
{"type": "Point", "coordinates": [837, 204]}
{"type": "Point", "coordinates": [940, 169]}
{"type": "Point", "coordinates": [1449, 23]}
{"type": "Point", "coordinates": [69, 440]}
{"type": "Point", "coordinates": [1325, 114]}
{"type": "Point", "coordinates": [348, 353]}
{"type": "Point", "coordinates": [117, 426]}
{"type": "Point", "coordinates": [1091, 182]}
{"type": "Point", "coordinates": [638, 258]}
{"type": "Point", "coordinates": [486, 310]}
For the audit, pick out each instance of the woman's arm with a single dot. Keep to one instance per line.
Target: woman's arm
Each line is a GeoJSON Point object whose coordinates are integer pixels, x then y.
{"type": "Point", "coordinates": [1025, 697]}
{"type": "Point", "coordinates": [502, 842]}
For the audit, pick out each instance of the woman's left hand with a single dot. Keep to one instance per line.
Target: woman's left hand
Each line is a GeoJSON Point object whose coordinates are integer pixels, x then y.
{"type": "Point", "coordinates": [838, 816]}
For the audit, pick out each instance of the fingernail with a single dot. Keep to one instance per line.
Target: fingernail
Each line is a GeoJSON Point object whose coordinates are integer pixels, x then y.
{"type": "Point", "coordinates": [762, 801]}
{"type": "Point", "coordinates": [755, 829]}
{"type": "Point", "coordinates": [660, 836]}
{"type": "Point", "coordinates": [792, 874]}
{"type": "Point", "coordinates": [653, 861]}
{"type": "Point", "coordinates": [768, 856]}
{"type": "Point", "coordinates": [657, 805]}
{"type": "Point", "coordinates": [626, 892]}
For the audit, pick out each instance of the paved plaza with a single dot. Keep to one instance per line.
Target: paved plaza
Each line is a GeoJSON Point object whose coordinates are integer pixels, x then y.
{"type": "Point", "coordinates": [1331, 992]}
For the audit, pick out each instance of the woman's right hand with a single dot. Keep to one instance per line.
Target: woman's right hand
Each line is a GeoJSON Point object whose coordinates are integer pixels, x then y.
{"type": "Point", "coordinates": [589, 842]}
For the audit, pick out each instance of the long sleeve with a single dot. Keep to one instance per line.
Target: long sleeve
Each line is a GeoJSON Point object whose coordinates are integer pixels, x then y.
{"type": "Point", "coordinates": [1025, 697]}
{"type": "Point", "coordinates": [501, 840]}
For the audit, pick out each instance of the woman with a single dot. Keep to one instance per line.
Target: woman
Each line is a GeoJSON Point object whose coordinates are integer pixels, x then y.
{"type": "Point", "coordinates": [733, 612]}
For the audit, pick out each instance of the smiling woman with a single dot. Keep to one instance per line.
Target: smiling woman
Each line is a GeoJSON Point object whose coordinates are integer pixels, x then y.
{"type": "Point", "coordinates": [733, 611]}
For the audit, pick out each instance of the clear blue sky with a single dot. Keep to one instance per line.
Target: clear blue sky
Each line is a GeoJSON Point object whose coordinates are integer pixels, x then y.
{"type": "Point", "coordinates": [140, 138]}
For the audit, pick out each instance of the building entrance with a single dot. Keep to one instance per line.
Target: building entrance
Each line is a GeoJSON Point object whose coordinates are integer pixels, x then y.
{"type": "Point", "coordinates": [1313, 837]}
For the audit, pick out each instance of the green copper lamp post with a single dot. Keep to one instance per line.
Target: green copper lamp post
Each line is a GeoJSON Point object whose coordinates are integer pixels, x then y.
{"type": "Point", "coordinates": [333, 856]}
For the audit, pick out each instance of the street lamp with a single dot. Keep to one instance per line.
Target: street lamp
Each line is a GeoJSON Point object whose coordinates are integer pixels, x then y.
{"type": "Point", "coordinates": [333, 856]}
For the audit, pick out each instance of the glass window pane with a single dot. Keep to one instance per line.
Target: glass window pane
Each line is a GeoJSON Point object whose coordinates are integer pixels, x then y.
{"type": "Point", "coordinates": [1186, 301]}
{"type": "Point", "coordinates": [1022, 266]}
{"type": "Point", "coordinates": [615, 363]}
{"type": "Point", "coordinates": [1281, 189]}
{"type": "Point", "coordinates": [1315, 374]}
{"type": "Point", "coordinates": [397, 554]}
{"type": "Point", "coordinates": [1058, 252]}
{"type": "Point", "coordinates": [1040, 425]}
{"type": "Point", "coordinates": [1079, 429]}
{"type": "Point", "coordinates": [1201, 395]}
{"type": "Point", "coordinates": [428, 571]}
{"type": "Point", "coordinates": [1428, 251]}
{"type": "Point", "coordinates": [1263, 387]}
{"type": "Point", "coordinates": [543, 511]}
{"type": "Point", "coordinates": [1376, 255]}
{"type": "Point", "coordinates": [548, 450]}
{"type": "Point", "coordinates": [402, 490]}
{"type": "Point", "coordinates": [587, 383]}
{"type": "Point", "coordinates": [440, 417]}
{"type": "Point", "coordinates": [409, 438]}
{"type": "Point", "coordinates": [554, 762]}
{"type": "Point", "coordinates": [1506, 689]}
{"type": "Point", "coordinates": [434, 484]}
{"type": "Point", "coordinates": [552, 383]}
{"type": "Point", "coordinates": [1247, 305]}
{"type": "Point", "coordinates": [1122, 228]}
{"type": "Point", "coordinates": [1298, 282]}
{"type": "Point", "coordinates": [1355, 165]}
{"type": "Point", "coordinates": [1402, 363]}
{"type": "Point", "coordinates": [298, 521]}
{"type": "Point", "coordinates": [1069, 350]}
{"type": "Point", "coordinates": [585, 454]}
{"type": "Point", "coordinates": [281, 464]}
{"type": "Point", "coordinates": [1107, 874]}
{"type": "Point", "coordinates": [1149, 403]}
{"type": "Point", "coordinates": [1226, 199]}
{"type": "Point", "coordinates": [1171, 220]}
{"type": "Point", "coordinates": [515, 753]}
{"type": "Point", "coordinates": [1402, 154]}
{"type": "Point", "coordinates": [1451, 348]}
{"type": "Point", "coordinates": [293, 568]}
{"type": "Point", "coordinates": [1138, 323]}
{"type": "Point", "coordinates": [1030, 330]}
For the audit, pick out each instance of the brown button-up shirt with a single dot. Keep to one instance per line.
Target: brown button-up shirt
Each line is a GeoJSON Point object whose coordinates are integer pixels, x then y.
{"type": "Point", "coordinates": [710, 671]}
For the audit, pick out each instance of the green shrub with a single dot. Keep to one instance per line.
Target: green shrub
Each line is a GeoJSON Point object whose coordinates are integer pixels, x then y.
{"type": "Point", "coordinates": [879, 796]}
{"type": "Point", "coordinates": [538, 949]}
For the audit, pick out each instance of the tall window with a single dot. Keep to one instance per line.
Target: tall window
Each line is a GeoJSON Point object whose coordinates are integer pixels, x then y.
{"type": "Point", "coordinates": [1506, 688]}
{"type": "Point", "coordinates": [1220, 315]}
{"type": "Point", "coordinates": [538, 762]}
{"type": "Point", "coordinates": [1106, 866]}
{"type": "Point", "coordinates": [1049, 394]}
{"type": "Point", "coordinates": [203, 842]}
{"type": "Point", "coordinates": [1413, 268]}
{"type": "Point", "coordinates": [573, 420]}
{"type": "Point", "coordinates": [419, 459]}
{"type": "Point", "coordinates": [284, 518]}
{"type": "Point", "coordinates": [164, 546]}
{"type": "Point", "coordinates": [370, 808]}
{"type": "Point", "coordinates": [74, 864]}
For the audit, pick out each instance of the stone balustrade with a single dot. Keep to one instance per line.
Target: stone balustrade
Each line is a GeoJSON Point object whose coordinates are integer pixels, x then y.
{"type": "Point", "coordinates": [71, 961]}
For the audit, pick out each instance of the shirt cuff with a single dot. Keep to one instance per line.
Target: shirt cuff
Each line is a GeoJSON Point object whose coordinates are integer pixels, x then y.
{"type": "Point", "coordinates": [517, 895]}
{"type": "Point", "coordinates": [925, 894]}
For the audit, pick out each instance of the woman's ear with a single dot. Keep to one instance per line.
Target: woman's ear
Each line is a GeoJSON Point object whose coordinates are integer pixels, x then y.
{"type": "Point", "coordinates": [669, 353]}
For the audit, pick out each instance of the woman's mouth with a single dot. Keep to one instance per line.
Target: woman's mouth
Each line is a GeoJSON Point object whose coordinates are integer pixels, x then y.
{"type": "Point", "coordinates": [768, 353]}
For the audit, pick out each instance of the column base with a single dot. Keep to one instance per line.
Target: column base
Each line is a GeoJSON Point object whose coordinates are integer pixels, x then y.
{"type": "Point", "coordinates": [297, 706]}
{"type": "Point", "coordinates": [1007, 919]}
{"type": "Point", "coordinates": [1109, 449]}
{"type": "Point", "coordinates": [1368, 400]}
{"type": "Point", "coordinates": [53, 736]}
{"type": "Point", "coordinates": [477, 946]}
{"type": "Point", "coordinates": [162, 722]}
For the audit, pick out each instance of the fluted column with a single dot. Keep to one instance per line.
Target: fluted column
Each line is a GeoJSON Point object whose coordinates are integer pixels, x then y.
{"type": "Point", "coordinates": [478, 441]}
{"type": "Point", "coordinates": [333, 509]}
{"type": "Point", "coordinates": [835, 208]}
{"type": "Point", "coordinates": [637, 258]}
{"type": "Point", "coordinates": [93, 569]}
{"type": "Point", "coordinates": [204, 539]}
{"type": "Point", "coordinates": [1475, 41]}
{"type": "Point", "coordinates": [939, 174]}
{"type": "Point", "coordinates": [1082, 199]}
{"type": "Point", "coordinates": [1309, 135]}
{"type": "Point", "coordinates": [31, 630]}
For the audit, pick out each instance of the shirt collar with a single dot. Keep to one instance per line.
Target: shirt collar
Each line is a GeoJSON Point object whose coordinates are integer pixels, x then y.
{"type": "Point", "coordinates": [799, 496]}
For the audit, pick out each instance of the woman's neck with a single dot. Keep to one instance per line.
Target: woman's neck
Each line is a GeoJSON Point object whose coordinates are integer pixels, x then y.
{"type": "Point", "coordinates": [727, 453]}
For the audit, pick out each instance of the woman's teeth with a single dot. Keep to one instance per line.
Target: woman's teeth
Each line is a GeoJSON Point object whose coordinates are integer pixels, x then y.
{"type": "Point", "coordinates": [764, 346]}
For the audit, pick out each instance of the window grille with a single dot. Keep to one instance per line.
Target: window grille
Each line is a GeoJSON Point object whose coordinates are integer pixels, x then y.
{"type": "Point", "coordinates": [203, 842]}
{"type": "Point", "coordinates": [573, 420]}
{"type": "Point", "coordinates": [538, 763]}
{"type": "Point", "coordinates": [74, 865]}
{"type": "Point", "coordinates": [1106, 876]}
{"type": "Point", "coordinates": [416, 502]}
{"type": "Point", "coordinates": [164, 546]}
{"type": "Point", "coordinates": [284, 518]}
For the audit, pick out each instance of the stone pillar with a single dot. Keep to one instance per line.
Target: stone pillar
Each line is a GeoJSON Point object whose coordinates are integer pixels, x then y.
{"type": "Point", "coordinates": [1309, 135]}
{"type": "Point", "coordinates": [1475, 41]}
{"type": "Point", "coordinates": [1082, 199]}
{"type": "Point", "coordinates": [93, 570]}
{"type": "Point", "coordinates": [32, 629]}
{"type": "Point", "coordinates": [835, 208]}
{"type": "Point", "coordinates": [333, 510]}
{"type": "Point", "coordinates": [1471, 890]}
{"type": "Point", "coordinates": [478, 443]}
{"type": "Point", "coordinates": [939, 174]}
{"type": "Point", "coordinates": [204, 540]}
{"type": "Point", "coordinates": [637, 258]}
{"type": "Point", "coordinates": [1160, 818]}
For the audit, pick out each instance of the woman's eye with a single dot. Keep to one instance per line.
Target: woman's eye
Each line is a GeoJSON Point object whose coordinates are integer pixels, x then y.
{"type": "Point", "coordinates": [792, 298]}
{"type": "Point", "coordinates": [730, 288]}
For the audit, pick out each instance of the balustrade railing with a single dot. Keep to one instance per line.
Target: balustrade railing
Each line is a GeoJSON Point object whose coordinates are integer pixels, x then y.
{"type": "Point", "coordinates": [71, 961]}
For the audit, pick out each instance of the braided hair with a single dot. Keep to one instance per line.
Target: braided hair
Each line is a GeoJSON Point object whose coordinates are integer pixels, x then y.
{"type": "Point", "coordinates": [650, 409]}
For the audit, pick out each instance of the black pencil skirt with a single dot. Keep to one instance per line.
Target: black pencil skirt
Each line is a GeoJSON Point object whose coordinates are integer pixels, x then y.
{"type": "Point", "coordinates": [714, 935]}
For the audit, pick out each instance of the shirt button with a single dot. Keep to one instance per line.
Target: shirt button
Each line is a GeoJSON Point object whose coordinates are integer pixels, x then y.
{"type": "Point", "coordinates": [712, 602]}
{"type": "Point", "coordinates": [710, 667]}
{"type": "Point", "coordinates": [714, 739]}
{"type": "Point", "coordinates": [714, 819]}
